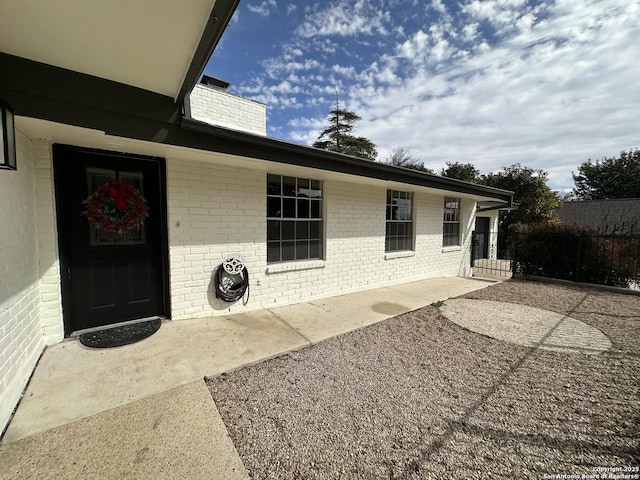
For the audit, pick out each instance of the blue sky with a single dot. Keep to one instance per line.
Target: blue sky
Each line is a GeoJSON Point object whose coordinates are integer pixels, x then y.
{"type": "Point", "coordinates": [548, 84]}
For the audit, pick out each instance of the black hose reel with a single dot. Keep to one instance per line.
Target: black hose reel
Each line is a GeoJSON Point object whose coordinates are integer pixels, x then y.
{"type": "Point", "coordinates": [232, 279]}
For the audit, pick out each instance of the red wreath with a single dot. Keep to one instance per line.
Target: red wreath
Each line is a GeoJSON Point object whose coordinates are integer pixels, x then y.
{"type": "Point", "coordinates": [115, 207]}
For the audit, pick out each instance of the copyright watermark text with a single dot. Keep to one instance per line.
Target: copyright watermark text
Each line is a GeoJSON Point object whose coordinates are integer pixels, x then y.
{"type": "Point", "coordinates": [599, 473]}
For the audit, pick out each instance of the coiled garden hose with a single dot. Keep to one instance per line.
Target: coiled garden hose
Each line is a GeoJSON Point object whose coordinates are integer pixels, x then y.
{"type": "Point", "coordinates": [231, 288]}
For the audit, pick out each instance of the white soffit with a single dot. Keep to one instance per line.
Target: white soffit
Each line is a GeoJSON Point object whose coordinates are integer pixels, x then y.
{"type": "Point", "coordinates": [144, 43]}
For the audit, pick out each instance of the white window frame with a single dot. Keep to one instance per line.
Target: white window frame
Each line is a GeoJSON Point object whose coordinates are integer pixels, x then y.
{"type": "Point", "coordinates": [295, 219]}
{"type": "Point", "coordinates": [451, 222]}
{"type": "Point", "coordinates": [399, 224]}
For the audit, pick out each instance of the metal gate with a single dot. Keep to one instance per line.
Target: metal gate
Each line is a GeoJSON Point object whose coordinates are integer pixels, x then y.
{"type": "Point", "coordinates": [491, 255]}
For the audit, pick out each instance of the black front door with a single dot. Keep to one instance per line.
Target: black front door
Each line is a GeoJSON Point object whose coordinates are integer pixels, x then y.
{"type": "Point", "coordinates": [109, 277]}
{"type": "Point", "coordinates": [481, 249]}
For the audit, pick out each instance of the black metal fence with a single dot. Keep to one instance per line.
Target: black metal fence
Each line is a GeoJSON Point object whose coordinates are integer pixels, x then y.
{"type": "Point", "coordinates": [579, 254]}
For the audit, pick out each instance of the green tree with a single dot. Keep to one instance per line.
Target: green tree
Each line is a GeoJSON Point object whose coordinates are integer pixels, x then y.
{"type": "Point", "coordinates": [401, 157]}
{"type": "Point", "coordinates": [609, 177]}
{"type": "Point", "coordinates": [461, 171]}
{"type": "Point", "coordinates": [537, 202]}
{"type": "Point", "coordinates": [339, 137]}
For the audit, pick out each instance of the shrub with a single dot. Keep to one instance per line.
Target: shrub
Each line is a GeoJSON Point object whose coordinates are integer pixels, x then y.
{"type": "Point", "coordinates": [576, 253]}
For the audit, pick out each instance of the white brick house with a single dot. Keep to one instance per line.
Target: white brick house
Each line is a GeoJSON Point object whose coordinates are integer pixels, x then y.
{"type": "Point", "coordinates": [213, 187]}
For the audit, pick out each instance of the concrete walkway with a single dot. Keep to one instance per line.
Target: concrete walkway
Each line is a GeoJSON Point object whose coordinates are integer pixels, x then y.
{"type": "Point", "coordinates": [142, 411]}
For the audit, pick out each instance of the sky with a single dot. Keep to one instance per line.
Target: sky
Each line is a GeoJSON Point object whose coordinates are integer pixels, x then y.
{"type": "Point", "coordinates": [547, 84]}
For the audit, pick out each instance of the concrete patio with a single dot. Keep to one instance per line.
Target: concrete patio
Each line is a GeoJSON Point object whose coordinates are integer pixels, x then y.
{"type": "Point", "coordinates": [143, 411]}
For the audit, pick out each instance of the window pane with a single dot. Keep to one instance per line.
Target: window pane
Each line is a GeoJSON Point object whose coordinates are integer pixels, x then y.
{"type": "Point", "coordinates": [302, 230]}
{"type": "Point", "coordinates": [273, 230]}
{"type": "Point", "coordinates": [404, 209]}
{"type": "Point", "coordinates": [448, 215]}
{"type": "Point", "coordinates": [315, 250]}
{"type": "Point", "coordinates": [314, 229]}
{"type": "Point", "coordinates": [273, 251]}
{"type": "Point", "coordinates": [451, 234]}
{"type": "Point", "coordinates": [96, 177]}
{"type": "Point", "coordinates": [302, 250]}
{"type": "Point", "coordinates": [400, 244]}
{"type": "Point", "coordinates": [316, 211]}
{"type": "Point", "coordinates": [289, 208]}
{"type": "Point", "coordinates": [289, 186]}
{"type": "Point", "coordinates": [288, 230]}
{"type": "Point", "coordinates": [303, 187]}
{"type": "Point", "coordinates": [303, 208]}
{"type": "Point", "coordinates": [273, 184]}
{"type": "Point", "coordinates": [393, 244]}
{"type": "Point", "coordinates": [273, 207]}
{"type": "Point", "coordinates": [316, 189]}
{"type": "Point", "coordinates": [288, 251]}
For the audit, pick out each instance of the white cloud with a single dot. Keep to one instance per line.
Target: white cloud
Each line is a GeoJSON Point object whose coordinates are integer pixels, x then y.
{"type": "Point", "coordinates": [495, 83]}
{"type": "Point", "coordinates": [348, 71]}
{"type": "Point", "coordinates": [264, 8]}
{"type": "Point", "coordinates": [344, 18]}
{"type": "Point", "coordinates": [550, 96]}
{"type": "Point", "coordinates": [416, 45]}
{"type": "Point", "coordinates": [438, 6]}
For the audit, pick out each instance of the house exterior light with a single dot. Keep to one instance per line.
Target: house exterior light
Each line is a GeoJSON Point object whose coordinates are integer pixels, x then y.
{"type": "Point", "coordinates": [7, 139]}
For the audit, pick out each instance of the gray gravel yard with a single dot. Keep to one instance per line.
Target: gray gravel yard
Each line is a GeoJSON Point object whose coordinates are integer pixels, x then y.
{"type": "Point", "coordinates": [417, 396]}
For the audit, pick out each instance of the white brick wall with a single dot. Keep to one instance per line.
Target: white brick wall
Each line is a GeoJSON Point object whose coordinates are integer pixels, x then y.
{"type": "Point", "coordinates": [218, 107]}
{"type": "Point", "coordinates": [212, 211]}
{"type": "Point", "coordinates": [20, 331]}
{"type": "Point", "coordinates": [215, 210]}
{"type": "Point", "coordinates": [49, 265]}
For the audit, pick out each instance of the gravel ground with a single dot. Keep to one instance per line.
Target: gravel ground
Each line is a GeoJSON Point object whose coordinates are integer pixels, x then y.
{"type": "Point", "coordinates": [417, 396]}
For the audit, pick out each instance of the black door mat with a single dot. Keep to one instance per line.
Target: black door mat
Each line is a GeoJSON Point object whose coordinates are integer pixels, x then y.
{"type": "Point", "coordinates": [119, 336]}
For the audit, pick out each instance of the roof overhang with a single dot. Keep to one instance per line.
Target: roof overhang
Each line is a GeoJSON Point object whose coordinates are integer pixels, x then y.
{"type": "Point", "coordinates": [256, 146]}
{"type": "Point", "coordinates": [120, 110]}
{"type": "Point", "coordinates": [488, 206]}
{"type": "Point", "coordinates": [161, 46]}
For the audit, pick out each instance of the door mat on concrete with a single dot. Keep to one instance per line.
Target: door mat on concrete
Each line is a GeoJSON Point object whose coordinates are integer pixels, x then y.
{"type": "Point", "coordinates": [119, 336]}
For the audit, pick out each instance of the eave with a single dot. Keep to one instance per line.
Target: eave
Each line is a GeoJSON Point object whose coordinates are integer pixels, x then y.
{"type": "Point", "coordinates": [216, 25]}
{"type": "Point", "coordinates": [255, 146]}
{"type": "Point", "coordinates": [161, 46]}
{"type": "Point", "coordinates": [50, 93]}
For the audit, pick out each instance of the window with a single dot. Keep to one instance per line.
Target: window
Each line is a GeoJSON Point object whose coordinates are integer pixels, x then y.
{"type": "Point", "coordinates": [451, 223]}
{"type": "Point", "coordinates": [399, 235]}
{"type": "Point", "coordinates": [98, 237]}
{"type": "Point", "coordinates": [294, 219]}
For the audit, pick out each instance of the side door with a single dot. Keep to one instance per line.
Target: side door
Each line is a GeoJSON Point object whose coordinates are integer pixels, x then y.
{"type": "Point", "coordinates": [481, 249]}
{"type": "Point", "coordinates": [109, 277]}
